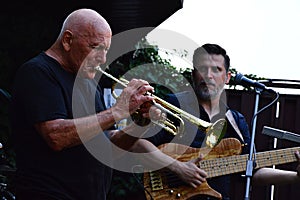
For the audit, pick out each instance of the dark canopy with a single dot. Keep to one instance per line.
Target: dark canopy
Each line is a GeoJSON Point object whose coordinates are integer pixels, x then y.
{"type": "Point", "coordinates": [27, 27]}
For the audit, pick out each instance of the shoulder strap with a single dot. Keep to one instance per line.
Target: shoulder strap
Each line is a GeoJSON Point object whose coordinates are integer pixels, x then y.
{"type": "Point", "coordinates": [232, 121]}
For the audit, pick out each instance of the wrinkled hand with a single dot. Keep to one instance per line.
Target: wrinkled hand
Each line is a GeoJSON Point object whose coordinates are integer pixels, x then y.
{"type": "Point", "coordinates": [132, 97]}
{"type": "Point", "coordinates": [190, 173]}
{"type": "Point", "coordinates": [297, 154]}
{"type": "Point", "coordinates": [150, 111]}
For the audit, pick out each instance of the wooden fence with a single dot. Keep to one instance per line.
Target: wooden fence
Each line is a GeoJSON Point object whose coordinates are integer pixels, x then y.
{"type": "Point", "coordinates": [288, 119]}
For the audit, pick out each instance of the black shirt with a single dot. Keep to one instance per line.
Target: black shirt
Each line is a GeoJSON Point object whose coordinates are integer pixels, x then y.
{"type": "Point", "coordinates": [44, 91]}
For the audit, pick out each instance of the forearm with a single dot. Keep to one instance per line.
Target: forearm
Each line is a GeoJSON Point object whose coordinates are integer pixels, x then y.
{"type": "Point", "coordinates": [128, 136]}
{"type": "Point", "coordinates": [156, 159]}
{"type": "Point", "coordinates": [266, 176]}
{"type": "Point", "coordinates": [153, 158]}
{"type": "Point", "coordinates": [65, 133]}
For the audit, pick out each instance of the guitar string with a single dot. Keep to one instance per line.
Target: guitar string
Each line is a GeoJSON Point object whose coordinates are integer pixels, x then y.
{"type": "Point", "coordinates": [236, 163]}
{"type": "Point", "coordinates": [228, 164]}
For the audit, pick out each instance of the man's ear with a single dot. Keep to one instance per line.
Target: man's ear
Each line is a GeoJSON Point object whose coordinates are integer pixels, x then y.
{"type": "Point", "coordinates": [228, 76]}
{"type": "Point", "coordinates": [67, 40]}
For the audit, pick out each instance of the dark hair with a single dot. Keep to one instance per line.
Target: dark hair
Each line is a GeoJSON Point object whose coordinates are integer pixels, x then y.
{"type": "Point", "coordinates": [213, 49]}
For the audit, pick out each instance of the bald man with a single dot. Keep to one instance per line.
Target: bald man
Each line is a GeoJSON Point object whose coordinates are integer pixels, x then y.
{"type": "Point", "coordinates": [58, 108]}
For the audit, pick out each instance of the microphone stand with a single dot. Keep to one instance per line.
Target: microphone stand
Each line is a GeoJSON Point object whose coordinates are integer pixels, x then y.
{"type": "Point", "coordinates": [251, 160]}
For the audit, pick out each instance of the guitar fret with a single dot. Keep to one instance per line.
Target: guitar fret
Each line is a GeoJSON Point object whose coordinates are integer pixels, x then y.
{"type": "Point", "coordinates": [221, 160]}
{"type": "Point", "coordinates": [223, 166]}
{"type": "Point", "coordinates": [276, 157]}
{"type": "Point", "coordinates": [234, 164]}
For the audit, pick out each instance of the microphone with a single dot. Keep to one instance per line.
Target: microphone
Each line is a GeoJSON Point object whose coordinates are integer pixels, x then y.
{"type": "Point", "coordinates": [280, 134]}
{"type": "Point", "coordinates": [246, 82]}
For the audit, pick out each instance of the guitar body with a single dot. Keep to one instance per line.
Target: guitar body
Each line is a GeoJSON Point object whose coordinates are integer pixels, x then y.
{"type": "Point", "coordinates": [162, 185]}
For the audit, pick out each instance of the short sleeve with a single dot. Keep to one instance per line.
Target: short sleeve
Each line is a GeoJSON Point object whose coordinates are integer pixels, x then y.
{"type": "Point", "coordinates": [40, 94]}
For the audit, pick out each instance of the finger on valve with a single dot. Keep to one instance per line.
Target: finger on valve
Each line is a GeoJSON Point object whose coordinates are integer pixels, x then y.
{"type": "Point", "coordinates": [141, 116]}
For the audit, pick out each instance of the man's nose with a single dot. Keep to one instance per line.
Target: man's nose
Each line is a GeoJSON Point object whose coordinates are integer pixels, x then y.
{"type": "Point", "coordinates": [102, 57]}
{"type": "Point", "coordinates": [208, 73]}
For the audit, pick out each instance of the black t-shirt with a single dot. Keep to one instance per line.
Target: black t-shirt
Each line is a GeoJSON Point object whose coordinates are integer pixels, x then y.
{"type": "Point", "coordinates": [44, 91]}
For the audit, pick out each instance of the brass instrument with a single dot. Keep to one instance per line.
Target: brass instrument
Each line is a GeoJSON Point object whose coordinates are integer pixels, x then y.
{"type": "Point", "coordinates": [214, 131]}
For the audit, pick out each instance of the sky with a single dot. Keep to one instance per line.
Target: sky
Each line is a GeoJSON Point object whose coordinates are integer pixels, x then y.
{"type": "Point", "coordinates": [262, 37]}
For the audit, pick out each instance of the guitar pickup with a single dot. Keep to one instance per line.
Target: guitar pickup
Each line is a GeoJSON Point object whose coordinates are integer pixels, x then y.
{"type": "Point", "coordinates": [156, 181]}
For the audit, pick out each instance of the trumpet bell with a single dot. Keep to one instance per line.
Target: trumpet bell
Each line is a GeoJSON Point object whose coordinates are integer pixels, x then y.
{"type": "Point", "coordinates": [215, 133]}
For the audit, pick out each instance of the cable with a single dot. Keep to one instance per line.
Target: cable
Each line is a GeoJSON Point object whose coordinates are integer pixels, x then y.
{"type": "Point", "coordinates": [134, 173]}
{"type": "Point", "coordinates": [264, 108]}
{"type": "Point", "coordinates": [255, 115]}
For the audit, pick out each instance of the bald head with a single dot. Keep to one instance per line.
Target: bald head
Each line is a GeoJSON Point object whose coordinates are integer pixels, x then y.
{"type": "Point", "coordinates": [85, 19]}
{"type": "Point", "coordinates": [84, 40]}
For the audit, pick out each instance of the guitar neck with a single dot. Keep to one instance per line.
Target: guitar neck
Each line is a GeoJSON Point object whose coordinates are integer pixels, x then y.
{"type": "Point", "coordinates": [237, 163]}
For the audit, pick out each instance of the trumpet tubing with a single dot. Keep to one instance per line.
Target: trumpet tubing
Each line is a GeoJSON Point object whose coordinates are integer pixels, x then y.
{"type": "Point", "coordinates": [176, 112]}
{"type": "Point", "coordinates": [203, 125]}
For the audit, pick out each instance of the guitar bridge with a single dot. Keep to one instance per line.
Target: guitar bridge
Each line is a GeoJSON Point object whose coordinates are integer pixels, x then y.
{"type": "Point", "coordinates": [156, 181]}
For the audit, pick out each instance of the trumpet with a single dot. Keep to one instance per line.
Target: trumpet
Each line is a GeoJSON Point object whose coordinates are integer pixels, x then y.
{"type": "Point", "coordinates": [213, 130]}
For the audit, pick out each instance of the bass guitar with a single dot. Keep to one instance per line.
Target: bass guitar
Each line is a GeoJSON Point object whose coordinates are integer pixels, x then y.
{"type": "Point", "coordinates": [223, 159]}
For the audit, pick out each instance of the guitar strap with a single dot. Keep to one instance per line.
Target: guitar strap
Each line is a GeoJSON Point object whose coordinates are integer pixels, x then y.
{"type": "Point", "coordinates": [233, 124]}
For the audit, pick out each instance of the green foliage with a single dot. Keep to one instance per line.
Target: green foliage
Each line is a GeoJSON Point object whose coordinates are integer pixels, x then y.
{"type": "Point", "coordinates": [146, 63]}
